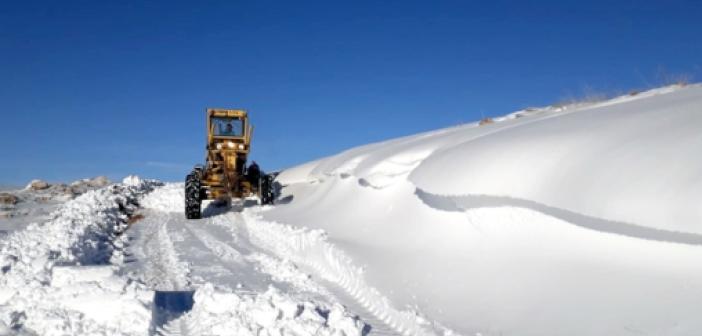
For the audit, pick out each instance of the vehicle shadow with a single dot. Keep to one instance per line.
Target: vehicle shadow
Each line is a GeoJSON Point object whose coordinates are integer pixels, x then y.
{"type": "Point", "coordinates": [215, 208]}
{"type": "Point", "coordinates": [169, 305]}
{"type": "Point", "coordinates": [285, 200]}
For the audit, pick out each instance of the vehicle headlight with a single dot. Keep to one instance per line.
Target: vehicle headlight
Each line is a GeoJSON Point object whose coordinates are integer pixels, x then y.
{"type": "Point", "coordinates": [219, 146]}
{"type": "Point", "coordinates": [230, 144]}
{"type": "Point", "coordinates": [241, 146]}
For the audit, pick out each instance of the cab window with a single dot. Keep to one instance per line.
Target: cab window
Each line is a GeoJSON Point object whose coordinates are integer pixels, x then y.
{"type": "Point", "coordinates": [228, 126]}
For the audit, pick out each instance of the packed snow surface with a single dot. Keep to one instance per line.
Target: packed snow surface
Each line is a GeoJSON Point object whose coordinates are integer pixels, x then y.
{"type": "Point", "coordinates": [238, 287]}
{"type": "Point", "coordinates": [571, 220]}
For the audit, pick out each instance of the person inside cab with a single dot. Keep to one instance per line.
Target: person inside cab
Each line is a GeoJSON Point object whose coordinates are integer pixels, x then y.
{"type": "Point", "coordinates": [228, 126]}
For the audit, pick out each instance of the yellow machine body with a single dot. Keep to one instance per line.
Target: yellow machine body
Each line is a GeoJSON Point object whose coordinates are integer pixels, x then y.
{"type": "Point", "coordinates": [227, 153]}
{"type": "Point", "coordinates": [225, 174]}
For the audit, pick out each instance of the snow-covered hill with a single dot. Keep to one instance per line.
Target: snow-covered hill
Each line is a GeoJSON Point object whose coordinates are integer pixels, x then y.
{"type": "Point", "coordinates": [571, 220]}
{"type": "Point", "coordinates": [577, 220]}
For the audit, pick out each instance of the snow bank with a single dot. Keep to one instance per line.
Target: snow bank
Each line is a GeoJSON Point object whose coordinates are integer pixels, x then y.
{"type": "Point", "coordinates": [43, 294]}
{"type": "Point", "coordinates": [169, 198]}
{"type": "Point", "coordinates": [548, 221]}
{"type": "Point", "coordinates": [34, 203]}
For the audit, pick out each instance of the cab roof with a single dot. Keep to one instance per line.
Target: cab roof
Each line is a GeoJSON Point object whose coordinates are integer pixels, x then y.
{"type": "Point", "coordinates": [216, 112]}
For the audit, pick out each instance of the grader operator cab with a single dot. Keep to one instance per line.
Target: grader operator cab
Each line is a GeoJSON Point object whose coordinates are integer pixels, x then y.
{"type": "Point", "coordinates": [225, 174]}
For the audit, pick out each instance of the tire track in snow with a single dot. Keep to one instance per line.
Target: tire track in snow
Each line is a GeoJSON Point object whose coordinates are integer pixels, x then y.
{"type": "Point", "coordinates": [310, 249]}
{"type": "Point", "coordinates": [163, 269]}
{"type": "Point", "coordinates": [218, 248]}
{"type": "Point", "coordinates": [242, 257]}
{"type": "Point", "coordinates": [377, 325]}
{"type": "Point", "coordinates": [238, 227]}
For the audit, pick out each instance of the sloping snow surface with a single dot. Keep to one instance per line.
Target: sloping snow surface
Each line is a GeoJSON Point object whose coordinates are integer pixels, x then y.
{"type": "Point", "coordinates": [576, 220]}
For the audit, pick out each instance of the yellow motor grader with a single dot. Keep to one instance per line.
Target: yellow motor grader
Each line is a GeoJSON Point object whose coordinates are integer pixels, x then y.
{"type": "Point", "coordinates": [225, 174]}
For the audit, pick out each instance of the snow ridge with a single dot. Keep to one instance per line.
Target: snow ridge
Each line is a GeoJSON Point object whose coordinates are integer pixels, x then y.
{"type": "Point", "coordinates": [466, 202]}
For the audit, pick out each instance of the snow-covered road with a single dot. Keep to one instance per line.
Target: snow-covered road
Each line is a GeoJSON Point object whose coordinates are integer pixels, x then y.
{"type": "Point", "coordinates": [175, 256]}
{"type": "Point", "coordinates": [103, 266]}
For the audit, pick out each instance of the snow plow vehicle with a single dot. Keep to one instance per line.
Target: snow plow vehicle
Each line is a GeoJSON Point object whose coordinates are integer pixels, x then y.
{"type": "Point", "coordinates": [225, 175]}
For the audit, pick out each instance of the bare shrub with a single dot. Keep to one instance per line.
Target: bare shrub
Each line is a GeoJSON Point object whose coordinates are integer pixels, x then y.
{"type": "Point", "coordinates": [667, 78]}
{"type": "Point", "coordinates": [589, 95]}
{"type": "Point", "coordinates": [486, 121]}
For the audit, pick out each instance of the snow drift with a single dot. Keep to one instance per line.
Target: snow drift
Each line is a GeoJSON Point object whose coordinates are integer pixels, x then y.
{"type": "Point", "coordinates": [574, 220]}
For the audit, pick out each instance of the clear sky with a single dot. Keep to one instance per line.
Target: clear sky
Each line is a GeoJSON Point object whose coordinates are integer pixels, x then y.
{"type": "Point", "coordinates": [120, 87]}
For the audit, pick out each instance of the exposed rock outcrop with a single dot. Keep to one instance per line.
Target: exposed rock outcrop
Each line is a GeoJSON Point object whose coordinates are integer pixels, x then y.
{"type": "Point", "coordinates": [37, 185]}
{"type": "Point", "coordinates": [9, 199]}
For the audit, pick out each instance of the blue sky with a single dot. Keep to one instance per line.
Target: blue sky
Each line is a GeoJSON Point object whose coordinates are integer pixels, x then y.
{"type": "Point", "coordinates": [120, 87]}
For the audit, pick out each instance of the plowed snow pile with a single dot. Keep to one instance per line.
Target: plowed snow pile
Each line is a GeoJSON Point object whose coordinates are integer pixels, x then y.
{"type": "Point", "coordinates": [59, 277]}
{"type": "Point", "coordinates": [578, 220]}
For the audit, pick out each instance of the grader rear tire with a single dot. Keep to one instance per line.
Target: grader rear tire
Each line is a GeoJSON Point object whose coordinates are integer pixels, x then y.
{"type": "Point", "coordinates": [193, 196]}
{"type": "Point", "coordinates": [266, 191]}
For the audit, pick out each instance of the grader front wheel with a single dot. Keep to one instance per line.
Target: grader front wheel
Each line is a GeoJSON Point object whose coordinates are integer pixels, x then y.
{"type": "Point", "coordinates": [193, 196]}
